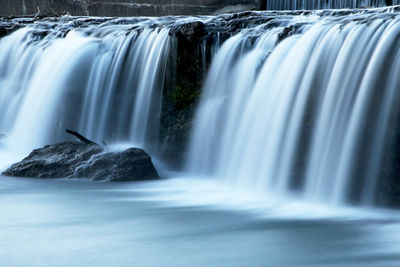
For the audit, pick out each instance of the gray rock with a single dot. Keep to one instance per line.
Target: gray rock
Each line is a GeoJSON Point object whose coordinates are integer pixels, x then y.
{"type": "Point", "coordinates": [80, 160]}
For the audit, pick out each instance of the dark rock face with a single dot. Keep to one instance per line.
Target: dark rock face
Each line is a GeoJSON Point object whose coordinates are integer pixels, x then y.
{"type": "Point", "coordinates": [122, 7]}
{"type": "Point", "coordinates": [80, 160]}
{"type": "Point", "coordinates": [188, 64]}
{"type": "Point", "coordinates": [191, 30]}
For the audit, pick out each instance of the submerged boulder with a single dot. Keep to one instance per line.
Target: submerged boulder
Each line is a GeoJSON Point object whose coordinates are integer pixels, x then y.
{"type": "Point", "coordinates": [81, 160]}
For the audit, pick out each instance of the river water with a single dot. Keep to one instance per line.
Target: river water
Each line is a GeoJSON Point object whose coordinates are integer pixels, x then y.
{"type": "Point", "coordinates": [182, 222]}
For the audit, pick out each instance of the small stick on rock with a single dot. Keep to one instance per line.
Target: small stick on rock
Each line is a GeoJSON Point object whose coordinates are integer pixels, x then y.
{"type": "Point", "coordinates": [81, 137]}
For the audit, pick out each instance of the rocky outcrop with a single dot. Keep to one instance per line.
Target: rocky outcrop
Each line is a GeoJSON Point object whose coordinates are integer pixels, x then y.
{"type": "Point", "coordinates": [80, 160]}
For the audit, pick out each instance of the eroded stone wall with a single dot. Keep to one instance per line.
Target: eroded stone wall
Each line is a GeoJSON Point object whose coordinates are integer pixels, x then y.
{"type": "Point", "coordinates": [123, 7]}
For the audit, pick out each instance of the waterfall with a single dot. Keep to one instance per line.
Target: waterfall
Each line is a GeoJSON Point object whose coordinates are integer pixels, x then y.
{"type": "Point", "coordinates": [302, 103]}
{"type": "Point", "coordinates": [312, 114]}
{"type": "Point", "coordinates": [326, 4]}
{"type": "Point", "coordinates": [106, 82]}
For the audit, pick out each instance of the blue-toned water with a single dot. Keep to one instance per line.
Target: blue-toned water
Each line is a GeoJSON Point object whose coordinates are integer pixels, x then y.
{"type": "Point", "coordinates": [291, 159]}
{"type": "Point", "coordinates": [180, 223]}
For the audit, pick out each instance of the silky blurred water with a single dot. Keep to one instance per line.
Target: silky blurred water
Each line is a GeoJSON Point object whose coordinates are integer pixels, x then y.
{"type": "Point", "coordinates": [247, 135]}
{"type": "Point", "coordinates": [81, 223]}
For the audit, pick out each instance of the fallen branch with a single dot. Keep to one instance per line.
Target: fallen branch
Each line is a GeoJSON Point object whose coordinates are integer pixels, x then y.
{"type": "Point", "coordinates": [80, 137]}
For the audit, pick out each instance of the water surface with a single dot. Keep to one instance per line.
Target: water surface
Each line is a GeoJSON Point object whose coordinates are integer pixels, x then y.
{"type": "Point", "coordinates": [180, 223]}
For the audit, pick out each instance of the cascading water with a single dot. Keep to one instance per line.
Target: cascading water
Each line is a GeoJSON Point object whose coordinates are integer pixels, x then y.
{"type": "Point", "coordinates": [295, 104]}
{"type": "Point", "coordinates": [313, 113]}
{"type": "Point", "coordinates": [105, 81]}
{"type": "Point", "coordinates": [303, 103]}
{"type": "Point", "coordinates": [326, 4]}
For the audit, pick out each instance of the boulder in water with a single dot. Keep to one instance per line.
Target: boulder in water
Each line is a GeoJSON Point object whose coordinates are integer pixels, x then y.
{"type": "Point", "coordinates": [81, 160]}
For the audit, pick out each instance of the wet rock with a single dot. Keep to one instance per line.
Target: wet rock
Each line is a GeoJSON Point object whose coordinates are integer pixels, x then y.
{"type": "Point", "coordinates": [289, 31]}
{"type": "Point", "coordinates": [3, 32]}
{"type": "Point", "coordinates": [80, 160]}
{"type": "Point", "coordinates": [7, 28]}
{"type": "Point", "coordinates": [190, 31]}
